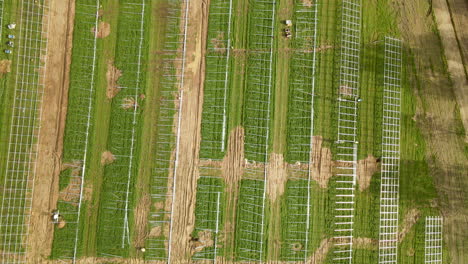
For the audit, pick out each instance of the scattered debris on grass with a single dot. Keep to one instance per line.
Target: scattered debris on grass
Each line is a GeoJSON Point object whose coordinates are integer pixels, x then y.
{"type": "Point", "coordinates": [71, 193]}
{"type": "Point", "coordinates": [308, 3]}
{"type": "Point", "coordinates": [129, 103]}
{"type": "Point", "coordinates": [218, 43]}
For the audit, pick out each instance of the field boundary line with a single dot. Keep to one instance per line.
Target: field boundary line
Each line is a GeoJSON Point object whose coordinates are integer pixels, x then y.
{"type": "Point", "coordinates": [226, 80]}
{"type": "Point", "coordinates": [390, 168]}
{"type": "Point", "coordinates": [126, 229]}
{"type": "Point", "coordinates": [88, 124]}
{"type": "Point", "coordinates": [179, 121]}
{"type": "Point", "coordinates": [309, 176]}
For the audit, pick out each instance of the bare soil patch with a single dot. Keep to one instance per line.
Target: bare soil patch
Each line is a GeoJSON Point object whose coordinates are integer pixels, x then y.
{"type": "Point", "coordinates": [5, 67]}
{"type": "Point", "coordinates": [107, 158]}
{"type": "Point", "coordinates": [233, 168]}
{"type": "Point", "coordinates": [205, 239]}
{"type": "Point", "coordinates": [72, 192]}
{"type": "Point", "coordinates": [345, 90]}
{"type": "Point", "coordinates": [104, 30]}
{"type": "Point", "coordinates": [277, 176]}
{"type": "Point", "coordinates": [454, 59]}
{"type": "Point", "coordinates": [219, 43]}
{"type": "Point", "coordinates": [189, 144]}
{"type": "Point", "coordinates": [324, 48]}
{"type": "Point", "coordinates": [141, 219]}
{"type": "Point", "coordinates": [129, 103]}
{"type": "Point", "coordinates": [112, 76]}
{"type": "Point", "coordinates": [59, 27]}
{"type": "Point", "coordinates": [321, 253]}
{"type": "Point", "coordinates": [366, 168]}
{"type": "Point", "coordinates": [61, 224]}
{"type": "Point", "coordinates": [321, 161]}
{"type": "Point", "coordinates": [155, 231]}
{"type": "Point", "coordinates": [308, 3]}
{"type": "Point", "coordinates": [75, 166]}
{"type": "Point", "coordinates": [410, 219]}
{"type": "Point", "coordinates": [366, 243]}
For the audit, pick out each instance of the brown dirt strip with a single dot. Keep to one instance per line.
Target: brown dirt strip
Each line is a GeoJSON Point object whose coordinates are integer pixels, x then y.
{"type": "Point", "coordinates": [277, 176]}
{"type": "Point", "coordinates": [52, 128]}
{"type": "Point", "coordinates": [233, 168]}
{"type": "Point", "coordinates": [454, 57]}
{"type": "Point", "coordinates": [436, 116]}
{"type": "Point", "coordinates": [458, 9]}
{"type": "Point", "coordinates": [104, 30]}
{"type": "Point", "coordinates": [183, 216]}
{"type": "Point", "coordinates": [321, 161]}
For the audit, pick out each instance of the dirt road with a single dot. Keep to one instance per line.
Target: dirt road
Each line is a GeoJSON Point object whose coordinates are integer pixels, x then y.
{"type": "Point", "coordinates": [184, 208]}
{"type": "Point", "coordinates": [454, 57]}
{"type": "Point", "coordinates": [52, 125]}
{"type": "Point", "coordinates": [436, 115]}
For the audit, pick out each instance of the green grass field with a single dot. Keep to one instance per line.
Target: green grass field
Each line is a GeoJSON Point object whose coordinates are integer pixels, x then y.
{"type": "Point", "coordinates": [414, 166]}
{"type": "Point", "coordinates": [279, 99]}
{"type": "Point", "coordinates": [79, 121]}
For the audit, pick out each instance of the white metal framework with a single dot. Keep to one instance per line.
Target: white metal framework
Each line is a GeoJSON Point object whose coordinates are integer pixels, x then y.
{"type": "Point", "coordinates": [80, 111]}
{"type": "Point", "coordinates": [301, 123]}
{"type": "Point", "coordinates": [116, 209]}
{"type": "Point", "coordinates": [24, 131]}
{"type": "Point", "coordinates": [208, 218]}
{"type": "Point", "coordinates": [390, 167]}
{"type": "Point", "coordinates": [217, 77]}
{"type": "Point", "coordinates": [251, 221]}
{"type": "Point", "coordinates": [214, 119]}
{"type": "Point", "coordinates": [164, 175]}
{"type": "Point", "coordinates": [433, 240]}
{"type": "Point", "coordinates": [347, 145]}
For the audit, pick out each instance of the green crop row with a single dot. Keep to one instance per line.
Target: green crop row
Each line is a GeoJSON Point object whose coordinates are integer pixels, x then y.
{"type": "Point", "coordinates": [251, 221]}
{"type": "Point", "coordinates": [209, 216]}
{"type": "Point", "coordinates": [302, 83]}
{"type": "Point", "coordinates": [217, 82]}
{"type": "Point", "coordinates": [259, 81]}
{"type": "Point", "coordinates": [78, 123]}
{"type": "Point", "coordinates": [117, 196]}
{"type": "Point", "coordinates": [165, 139]}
